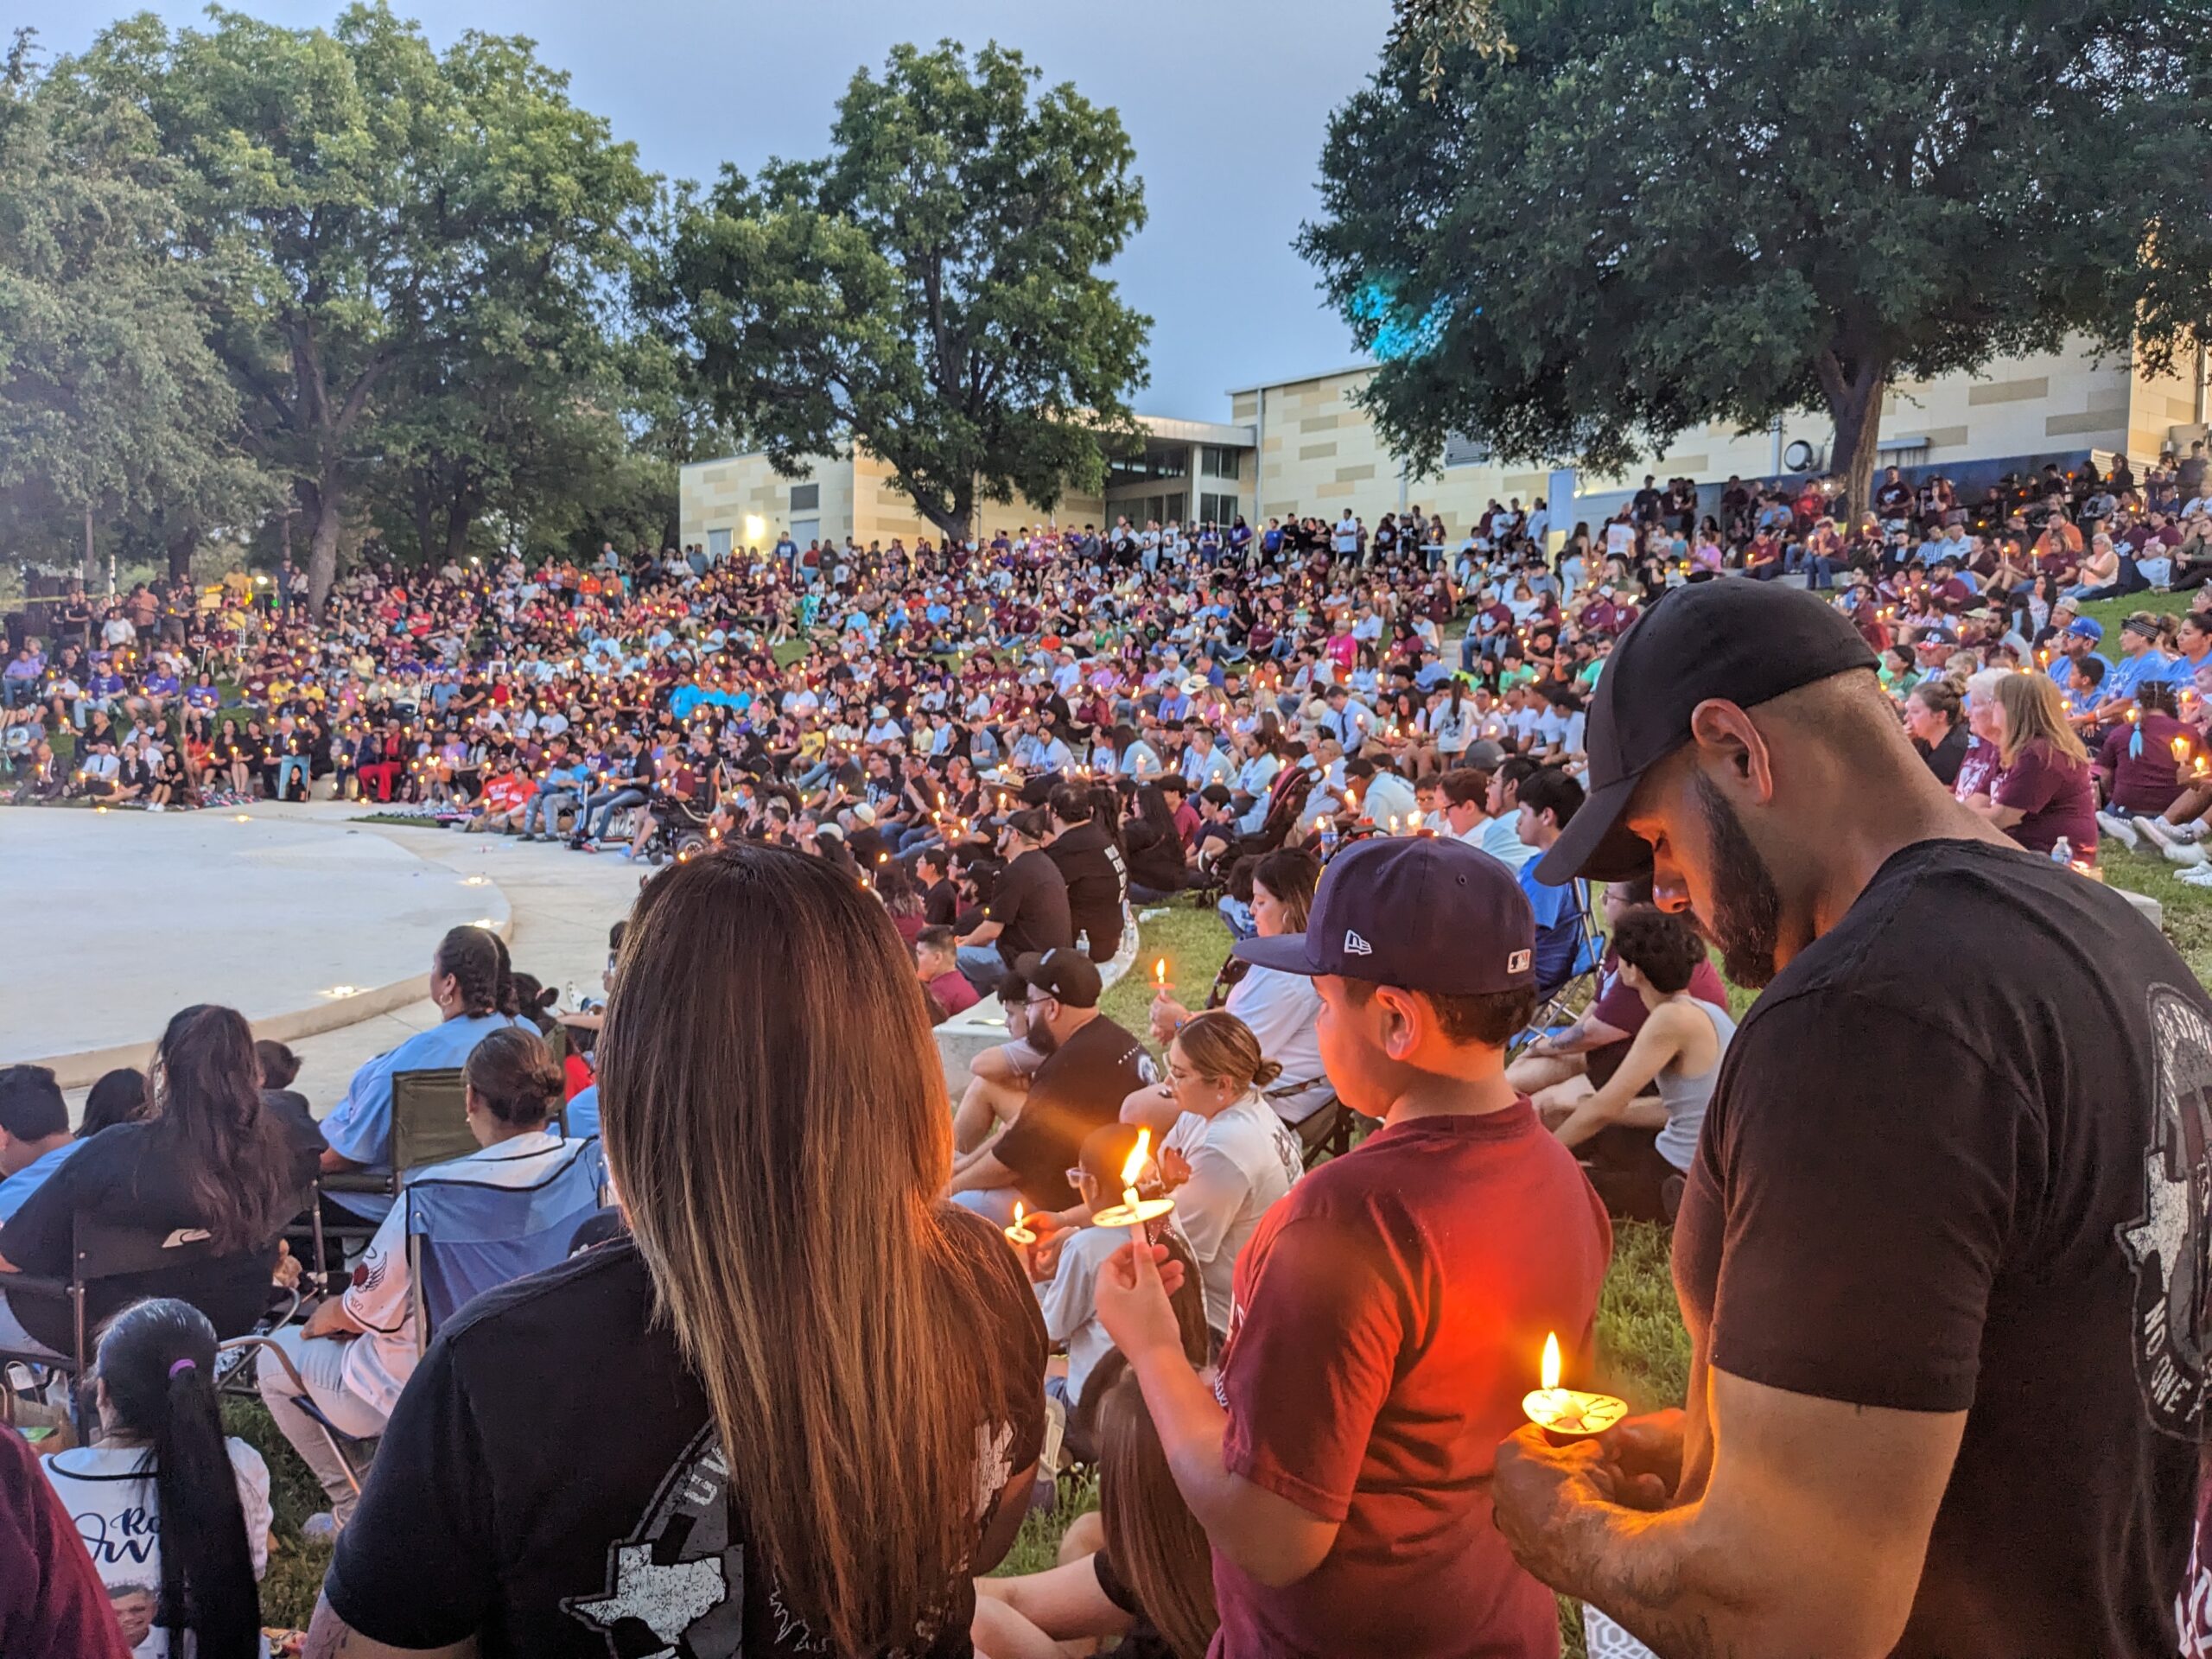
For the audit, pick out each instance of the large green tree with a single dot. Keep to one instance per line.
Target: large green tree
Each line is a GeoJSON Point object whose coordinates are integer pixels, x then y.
{"type": "Point", "coordinates": [931, 288]}
{"type": "Point", "coordinates": [110, 402]}
{"type": "Point", "coordinates": [1575, 228]}
{"type": "Point", "coordinates": [407, 259]}
{"type": "Point", "coordinates": [509, 399]}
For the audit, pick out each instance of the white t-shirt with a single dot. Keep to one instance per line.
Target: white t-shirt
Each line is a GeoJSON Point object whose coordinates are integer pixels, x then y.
{"type": "Point", "coordinates": [1070, 1303]}
{"type": "Point", "coordinates": [109, 1492]}
{"type": "Point", "coordinates": [1241, 1158]}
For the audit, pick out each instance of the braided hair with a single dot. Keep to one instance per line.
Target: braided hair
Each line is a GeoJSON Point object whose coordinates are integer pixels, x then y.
{"type": "Point", "coordinates": [475, 958]}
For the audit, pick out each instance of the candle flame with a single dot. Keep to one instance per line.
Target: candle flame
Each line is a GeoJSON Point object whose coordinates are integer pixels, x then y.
{"type": "Point", "coordinates": [2181, 748]}
{"type": "Point", "coordinates": [1159, 971]}
{"type": "Point", "coordinates": [1138, 1154]}
{"type": "Point", "coordinates": [1551, 1361]}
{"type": "Point", "coordinates": [1017, 1215]}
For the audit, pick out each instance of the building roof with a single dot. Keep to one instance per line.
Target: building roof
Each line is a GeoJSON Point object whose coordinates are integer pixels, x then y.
{"type": "Point", "coordinates": [1300, 380]}
{"type": "Point", "coordinates": [1213, 432]}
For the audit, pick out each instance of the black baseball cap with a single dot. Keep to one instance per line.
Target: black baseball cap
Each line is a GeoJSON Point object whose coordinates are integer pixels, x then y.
{"type": "Point", "coordinates": [1065, 971]}
{"type": "Point", "coordinates": [1423, 913]}
{"type": "Point", "coordinates": [1735, 639]}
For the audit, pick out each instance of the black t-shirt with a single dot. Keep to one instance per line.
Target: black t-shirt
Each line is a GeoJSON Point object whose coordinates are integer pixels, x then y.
{"type": "Point", "coordinates": [1097, 882]}
{"type": "Point", "coordinates": [590, 1513]}
{"type": "Point", "coordinates": [1957, 1162]}
{"type": "Point", "coordinates": [1030, 903]}
{"type": "Point", "coordinates": [130, 1174]}
{"type": "Point", "coordinates": [1079, 1088]}
{"type": "Point", "coordinates": [941, 904]}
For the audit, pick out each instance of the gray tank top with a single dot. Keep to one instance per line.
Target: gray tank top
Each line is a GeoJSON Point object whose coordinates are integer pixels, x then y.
{"type": "Point", "coordinates": [1687, 1097]}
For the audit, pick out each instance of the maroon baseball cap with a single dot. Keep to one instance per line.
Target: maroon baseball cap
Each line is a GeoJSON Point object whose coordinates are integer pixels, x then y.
{"type": "Point", "coordinates": [1420, 912]}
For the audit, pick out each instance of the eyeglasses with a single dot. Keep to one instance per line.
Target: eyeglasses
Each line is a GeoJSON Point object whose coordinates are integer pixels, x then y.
{"type": "Point", "coordinates": [1037, 1002]}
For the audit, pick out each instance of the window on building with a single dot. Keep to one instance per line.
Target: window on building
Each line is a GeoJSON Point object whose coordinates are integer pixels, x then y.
{"type": "Point", "coordinates": [805, 531]}
{"type": "Point", "coordinates": [1217, 509]}
{"type": "Point", "coordinates": [1214, 461]}
{"type": "Point", "coordinates": [1464, 452]}
{"type": "Point", "coordinates": [806, 498]}
{"type": "Point", "coordinates": [1157, 461]}
{"type": "Point", "coordinates": [718, 545]}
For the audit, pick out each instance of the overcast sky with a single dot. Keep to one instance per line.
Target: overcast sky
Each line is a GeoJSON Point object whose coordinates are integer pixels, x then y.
{"type": "Point", "coordinates": [1227, 101]}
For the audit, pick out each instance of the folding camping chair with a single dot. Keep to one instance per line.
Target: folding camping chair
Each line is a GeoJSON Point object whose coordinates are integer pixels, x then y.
{"type": "Point", "coordinates": [1576, 947]}
{"type": "Point", "coordinates": [466, 1236]}
{"type": "Point", "coordinates": [430, 1125]}
{"type": "Point", "coordinates": [101, 1252]}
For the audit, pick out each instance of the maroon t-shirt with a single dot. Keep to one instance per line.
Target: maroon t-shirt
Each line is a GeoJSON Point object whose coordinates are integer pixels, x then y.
{"type": "Point", "coordinates": [2056, 795]}
{"type": "Point", "coordinates": [1390, 1312]}
{"type": "Point", "coordinates": [53, 1604]}
{"type": "Point", "coordinates": [2145, 776]}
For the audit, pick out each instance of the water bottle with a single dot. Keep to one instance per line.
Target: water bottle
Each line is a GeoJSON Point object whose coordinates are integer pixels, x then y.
{"type": "Point", "coordinates": [2061, 851]}
{"type": "Point", "coordinates": [1328, 839]}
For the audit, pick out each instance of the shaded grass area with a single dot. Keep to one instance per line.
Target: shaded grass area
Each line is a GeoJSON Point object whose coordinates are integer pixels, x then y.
{"type": "Point", "coordinates": [296, 1567]}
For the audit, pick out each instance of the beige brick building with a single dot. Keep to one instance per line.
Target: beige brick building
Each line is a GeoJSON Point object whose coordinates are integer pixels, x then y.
{"type": "Point", "coordinates": [1303, 446]}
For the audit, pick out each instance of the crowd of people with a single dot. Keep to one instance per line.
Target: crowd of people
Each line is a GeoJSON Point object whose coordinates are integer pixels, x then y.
{"type": "Point", "coordinates": [846, 1323]}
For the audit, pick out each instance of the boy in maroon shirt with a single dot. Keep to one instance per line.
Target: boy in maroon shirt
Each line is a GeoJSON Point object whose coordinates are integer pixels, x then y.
{"type": "Point", "coordinates": [1391, 1310]}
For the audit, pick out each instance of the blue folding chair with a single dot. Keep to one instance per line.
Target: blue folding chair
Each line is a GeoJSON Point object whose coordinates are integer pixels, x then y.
{"type": "Point", "coordinates": [467, 1237]}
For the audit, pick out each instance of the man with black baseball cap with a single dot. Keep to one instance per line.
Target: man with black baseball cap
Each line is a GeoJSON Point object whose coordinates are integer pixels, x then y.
{"type": "Point", "coordinates": [1942, 1251]}
{"type": "Point", "coordinates": [1091, 1065]}
{"type": "Point", "coordinates": [1391, 1310]}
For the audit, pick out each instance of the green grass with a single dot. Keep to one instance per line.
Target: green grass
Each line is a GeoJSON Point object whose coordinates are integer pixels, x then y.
{"type": "Point", "coordinates": [2112, 612]}
{"type": "Point", "coordinates": [296, 1567]}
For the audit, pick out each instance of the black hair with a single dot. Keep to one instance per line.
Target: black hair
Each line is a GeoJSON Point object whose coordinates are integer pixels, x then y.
{"type": "Point", "coordinates": [279, 1066]}
{"type": "Point", "coordinates": [935, 938]}
{"type": "Point", "coordinates": [514, 1074]}
{"type": "Point", "coordinates": [31, 1106]}
{"type": "Point", "coordinates": [1662, 948]}
{"type": "Point", "coordinates": [476, 958]}
{"type": "Point", "coordinates": [2159, 696]}
{"type": "Point", "coordinates": [1550, 790]}
{"type": "Point", "coordinates": [535, 1001]}
{"type": "Point", "coordinates": [119, 1098]}
{"type": "Point", "coordinates": [158, 1363]}
{"type": "Point", "coordinates": [1070, 804]}
{"type": "Point", "coordinates": [2091, 669]}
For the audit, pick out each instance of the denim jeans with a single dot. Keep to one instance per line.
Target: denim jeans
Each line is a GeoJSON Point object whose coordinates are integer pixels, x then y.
{"type": "Point", "coordinates": [538, 816]}
{"type": "Point", "coordinates": [609, 802]}
{"type": "Point", "coordinates": [983, 966]}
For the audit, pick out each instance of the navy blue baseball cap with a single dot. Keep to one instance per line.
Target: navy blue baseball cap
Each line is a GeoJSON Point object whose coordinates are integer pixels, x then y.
{"type": "Point", "coordinates": [1420, 912]}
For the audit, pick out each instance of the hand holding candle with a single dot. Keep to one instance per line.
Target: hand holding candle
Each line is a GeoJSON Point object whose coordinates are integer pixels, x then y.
{"type": "Point", "coordinates": [1566, 1414]}
{"type": "Point", "coordinates": [1133, 1213]}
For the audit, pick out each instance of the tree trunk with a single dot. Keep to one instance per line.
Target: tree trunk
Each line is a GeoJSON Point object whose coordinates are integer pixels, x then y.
{"type": "Point", "coordinates": [92, 559]}
{"type": "Point", "coordinates": [181, 545]}
{"type": "Point", "coordinates": [1854, 400]}
{"type": "Point", "coordinates": [459, 517]}
{"type": "Point", "coordinates": [322, 545]}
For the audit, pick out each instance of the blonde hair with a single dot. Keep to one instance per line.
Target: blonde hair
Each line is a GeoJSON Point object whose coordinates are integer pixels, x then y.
{"type": "Point", "coordinates": [2033, 708]}
{"type": "Point", "coordinates": [1221, 1047]}
{"type": "Point", "coordinates": [781, 1181]}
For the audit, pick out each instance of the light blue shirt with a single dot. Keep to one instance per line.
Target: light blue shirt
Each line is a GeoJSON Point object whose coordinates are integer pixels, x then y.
{"type": "Point", "coordinates": [359, 1126]}
{"type": "Point", "coordinates": [2146, 667]}
{"type": "Point", "coordinates": [583, 1114]}
{"type": "Point", "coordinates": [16, 1190]}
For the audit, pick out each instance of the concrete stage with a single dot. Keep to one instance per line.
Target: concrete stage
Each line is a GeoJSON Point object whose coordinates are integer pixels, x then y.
{"type": "Point", "coordinates": [317, 927]}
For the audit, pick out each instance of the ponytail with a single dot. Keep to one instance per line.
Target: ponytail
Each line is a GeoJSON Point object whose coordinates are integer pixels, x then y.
{"type": "Point", "coordinates": [476, 958]}
{"type": "Point", "coordinates": [157, 1358]}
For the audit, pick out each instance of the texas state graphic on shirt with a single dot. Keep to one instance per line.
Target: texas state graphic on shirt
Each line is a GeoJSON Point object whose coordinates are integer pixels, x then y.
{"type": "Point", "coordinates": [2167, 1245]}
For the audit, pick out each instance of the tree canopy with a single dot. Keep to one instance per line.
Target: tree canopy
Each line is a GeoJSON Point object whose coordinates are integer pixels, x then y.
{"type": "Point", "coordinates": [931, 288]}
{"type": "Point", "coordinates": [1580, 227]}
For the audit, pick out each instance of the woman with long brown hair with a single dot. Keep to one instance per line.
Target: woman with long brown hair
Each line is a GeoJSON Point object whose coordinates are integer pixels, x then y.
{"type": "Point", "coordinates": [800, 1406]}
{"type": "Point", "coordinates": [209, 1156]}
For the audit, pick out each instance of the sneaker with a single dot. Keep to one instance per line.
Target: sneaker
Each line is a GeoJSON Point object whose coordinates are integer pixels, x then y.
{"type": "Point", "coordinates": [2181, 850]}
{"type": "Point", "coordinates": [320, 1527]}
{"type": "Point", "coordinates": [2118, 830]}
{"type": "Point", "coordinates": [2197, 875]}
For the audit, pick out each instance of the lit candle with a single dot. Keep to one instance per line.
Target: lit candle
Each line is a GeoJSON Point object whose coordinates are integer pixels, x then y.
{"type": "Point", "coordinates": [1133, 1212]}
{"type": "Point", "coordinates": [1020, 1232]}
{"type": "Point", "coordinates": [1566, 1414]}
{"type": "Point", "coordinates": [1159, 975]}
